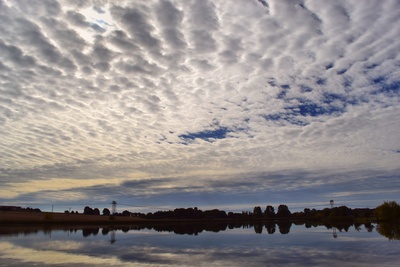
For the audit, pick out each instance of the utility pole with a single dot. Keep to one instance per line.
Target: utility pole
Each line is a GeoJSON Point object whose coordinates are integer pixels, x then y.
{"type": "Point", "coordinates": [114, 207]}
{"type": "Point", "coordinates": [334, 232]}
{"type": "Point", "coordinates": [113, 239]}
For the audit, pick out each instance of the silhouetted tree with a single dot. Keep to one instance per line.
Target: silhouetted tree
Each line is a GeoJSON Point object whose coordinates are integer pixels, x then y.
{"type": "Point", "coordinates": [88, 210]}
{"type": "Point", "coordinates": [269, 212]}
{"type": "Point", "coordinates": [181, 213]}
{"type": "Point", "coordinates": [106, 212]}
{"type": "Point", "coordinates": [257, 212]}
{"type": "Point", "coordinates": [313, 213]}
{"type": "Point", "coordinates": [363, 212]}
{"type": "Point", "coordinates": [283, 211]}
{"type": "Point", "coordinates": [327, 212]}
{"type": "Point", "coordinates": [126, 213]}
{"type": "Point", "coordinates": [215, 214]}
{"type": "Point", "coordinates": [341, 211]}
{"type": "Point", "coordinates": [96, 211]}
{"type": "Point", "coordinates": [307, 212]}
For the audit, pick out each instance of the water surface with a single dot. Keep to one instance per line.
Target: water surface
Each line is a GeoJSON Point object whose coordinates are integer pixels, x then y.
{"type": "Point", "coordinates": [193, 245]}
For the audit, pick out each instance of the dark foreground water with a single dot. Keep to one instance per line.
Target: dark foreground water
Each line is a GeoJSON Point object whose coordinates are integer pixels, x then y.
{"type": "Point", "coordinates": [191, 245]}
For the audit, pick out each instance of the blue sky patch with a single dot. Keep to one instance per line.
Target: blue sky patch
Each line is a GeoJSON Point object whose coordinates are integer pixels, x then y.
{"type": "Point", "coordinates": [285, 88]}
{"type": "Point", "coordinates": [329, 66]}
{"type": "Point", "coordinates": [390, 89]}
{"type": "Point", "coordinates": [321, 81]}
{"type": "Point", "coordinates": [285, 118]}
{"type": "Point", "coordinates": [305, 89]}
{"type": "Point", "coordinates": [207, 135]}
{"type": "Point", "coordinates": [297, 114]}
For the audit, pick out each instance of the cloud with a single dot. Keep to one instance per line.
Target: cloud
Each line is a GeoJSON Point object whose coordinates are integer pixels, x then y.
{"type": "Point", "coordinates": [162, 89]}
{"type": "Point", "coordinates": [136, 22]}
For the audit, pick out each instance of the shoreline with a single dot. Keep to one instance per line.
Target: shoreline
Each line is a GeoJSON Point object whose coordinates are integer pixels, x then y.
{"type": "Point", "coordinates": [49, 218]}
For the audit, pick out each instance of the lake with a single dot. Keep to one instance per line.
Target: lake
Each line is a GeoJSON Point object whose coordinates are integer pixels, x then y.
{"type": "Point", "coordinates": [205, 245]}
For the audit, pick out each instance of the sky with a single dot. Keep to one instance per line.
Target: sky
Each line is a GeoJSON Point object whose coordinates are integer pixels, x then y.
{"type": "Point", "coordinates": [162, 104]}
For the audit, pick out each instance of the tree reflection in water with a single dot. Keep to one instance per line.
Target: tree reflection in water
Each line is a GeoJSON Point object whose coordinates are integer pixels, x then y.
{"type": "Point", "coordinates": [270, 227]}
{"type": "Point", "coordinates": [390, 231]}
{"type": "Point", "coordinates": [258, 228]}
{"type": "Point", "coordinates": [284, 227]}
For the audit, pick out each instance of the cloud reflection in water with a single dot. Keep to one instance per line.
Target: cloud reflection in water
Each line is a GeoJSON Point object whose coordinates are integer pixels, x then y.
{"type": "Point", "coordinates": [231, 247]}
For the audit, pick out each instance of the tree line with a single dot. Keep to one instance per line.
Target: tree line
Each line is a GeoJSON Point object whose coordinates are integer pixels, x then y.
{"type": "Point", "coordinates": [388, 211]}
{"type": "Point", "coordinates": [282, 213]}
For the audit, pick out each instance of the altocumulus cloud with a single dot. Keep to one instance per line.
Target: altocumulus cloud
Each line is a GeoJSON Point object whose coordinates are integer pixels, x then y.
{"type": "Point", "coordinates": [199, 101]}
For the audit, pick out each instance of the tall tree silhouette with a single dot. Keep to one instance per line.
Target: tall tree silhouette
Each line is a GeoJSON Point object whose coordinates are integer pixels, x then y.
{"type": "Point", "coordinates": [283, 211]}
{"type": "Point", "coordinates": [257, 211]}
{"type": "Point", "coordinates": [269, 212]}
